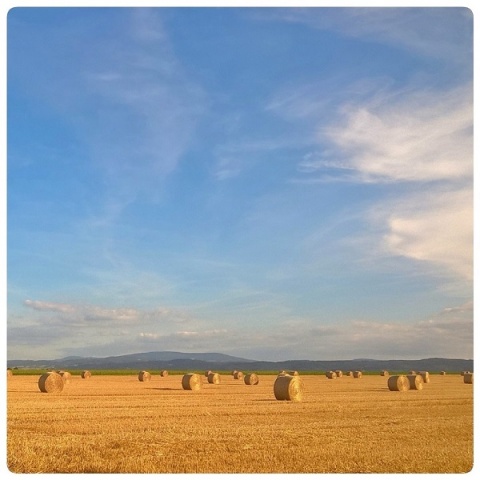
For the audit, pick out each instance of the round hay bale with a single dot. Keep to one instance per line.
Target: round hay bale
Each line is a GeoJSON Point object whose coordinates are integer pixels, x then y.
{"type": "Point", "coordinates": [384, 373]}
{"type": "Point", "coordinates": [214, 378]}
{"type": "Point", "coordinates": [468, 378]}
{"type": "Point", "coordinates": [192, 381]}
{"type": "Point", "coordinates": [415, 382]}
{"type": "Point", "coordinates": [207, 373]}
{"type": "Point", "coordinates": [398, 383]}
{"type": "Point", "coordinates": [251, 379]}
{"type": "Point", "coordinates": [66, 376]}
{"type": "Point", "coordinates": [349, 374]}
{"type": "Point", "coordinates": [357, 374]}
{"type": "Point", "coordinates": [238, 376]}
{"type": "Point", "coordinates": [293, 373]}
{"type": "Point", "coordinates": [425, 376]}
{"type": "Point", "coordinates": [282, 372]}
{"type": "Point", "coordinates": [412, 372]}
{"type": "Point", "coordinates": [331, 374]}
{"type": "Point", "coordinates": [339, 373]}
{"type": "Point", "coordinates": [9, 372]}
{"type": "Point", "coordinates": [86, 374]}
{"type": "Point", "coordinates": [234, 372]}
{"type": "Point", "coordinates": [164, 373]}
{"type": "Point", "coordinates": [51, 382]}
{"type": "Point", "coordinates": [144, 376]}
{"type": "Point", "coordinates": [288, 387]}
{"type": "Point", "coordinates": [443, 372]}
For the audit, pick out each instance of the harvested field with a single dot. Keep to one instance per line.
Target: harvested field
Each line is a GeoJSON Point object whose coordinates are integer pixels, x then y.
{"type": "Point", "coordinates": [116, 424]}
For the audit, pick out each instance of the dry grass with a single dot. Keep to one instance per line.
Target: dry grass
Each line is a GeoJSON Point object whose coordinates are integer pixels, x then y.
{"type": "Point", "coordinates": [114, 424]}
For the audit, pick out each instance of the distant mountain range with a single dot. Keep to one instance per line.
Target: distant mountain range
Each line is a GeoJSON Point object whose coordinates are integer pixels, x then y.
{"type": "Point", "coordinates": [219, 361]}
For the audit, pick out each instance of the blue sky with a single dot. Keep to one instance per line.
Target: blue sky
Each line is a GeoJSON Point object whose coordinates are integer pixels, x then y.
{"type": "Point", "coordinates": [273, 183]}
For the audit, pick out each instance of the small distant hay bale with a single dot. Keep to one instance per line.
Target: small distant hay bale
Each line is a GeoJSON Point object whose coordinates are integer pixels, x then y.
{"type": "Point", "coordinates": [339, 373]}
{"type": "Point", "coordinates": [468, 378]}
{"type": "Point", "coordinates": [349, 374]}
{"type": "Point", "coordinates": [9, 372]}
{"type": "Point", "coordinates": [415, 382]}
{"type": "Point", "coordinates": [293, 373]}
{"type": "Point", "coordinates": [51, 382]}
{"type": "Point", "coordinates": [288, 387]}
{"type": "Point", "coordinates": [251, 379]}
{"type": "Point", "coordinates": [443, 372]}
{"type": "Point", "coordinates": [412, 372]}
{"type": "Point", "coordinates": [282, 372]}
{"type": "Point", "coordinates": [214, 378]}
{"type": "Point", "coordinates": [66, 376]}
{"type": "Point", "coordinates": [207, 373]}
{"type": "Point", "coordinates": [238, 375]}
{"type": "Point", "coordinates": [357, 374]}
{"type": "Point", "coordinates": [331, 374]}
{"type": "Point", "coordinates": [398, 383]}
{"type": "Point", "coordinates": [164, 373]}
{"type": "Point", "coordinates": [234, 372]}
{"type": "Point", "coordinates": [384, 373]}
{"type": "Point", "coordinates": [86, 374]}
{"type": "Point", "coordinates": [192, 381]}
{"type": "Point", "coordinates": [464, 372]}
{"type": "Point", "coordinates": [425, 376]}
{"type": "Point", "coordinates": [144, 376]}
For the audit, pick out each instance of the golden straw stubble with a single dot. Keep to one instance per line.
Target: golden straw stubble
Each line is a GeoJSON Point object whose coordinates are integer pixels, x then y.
{"type": "Point", "coordinates": [192, 381]}
{"type": "Point", "coordinates": [251, 379]}
{"type": "Point", "coordinates": [288, 387]}
{"type": "Point", "coordinates": [398, 383]}
{"type": "Point", "coordinates": [415, 381]}
{"type": "Point", "coordinates": [51, 382]}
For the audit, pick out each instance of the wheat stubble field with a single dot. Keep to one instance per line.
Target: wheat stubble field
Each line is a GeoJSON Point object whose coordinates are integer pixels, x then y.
{"type": "Point", "coordinates": [116, 424]}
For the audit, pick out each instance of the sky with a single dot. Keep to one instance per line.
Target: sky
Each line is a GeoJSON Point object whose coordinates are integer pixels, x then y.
{"type": "Point", "coordinates": [272, 183]}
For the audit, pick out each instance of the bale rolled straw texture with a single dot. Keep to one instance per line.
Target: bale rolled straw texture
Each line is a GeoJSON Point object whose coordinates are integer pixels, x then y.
{"type": "Point", "coordinates": [288, 387]}
{"type": "Point", "coordinates": [214, 378]}
{"type": "Point", "coordinates": [384, 373]}
{"type": "Point", "coordinates": [238, 375]}
{"type": "Point", "coordinates": [192, 381]}
{"type": "Point", "coordinates": [144, 376]}
{"type": "Point", "coordinates": [51, 382]}
{"type": "Point", "coordinates": [468, 378]}
{"type": "Point", "coordinates": [357, 374]}
{"type": "Point", "coordinates": [251, 379]}
{"type": "Point", "coordinates": [415, 382]}
{"type": "Point", "coordinates": [425, 376]}
{"type": "Point", "coordinates": [331, 374]}
{"type": "Point", "coordinates": [164, 373]}
{"type": "Point", "coordinates": [66, 376]}
{"type": "Point", "coordinates": [86, 374]}
{"type": "Point", "coordinates": [398, 383]}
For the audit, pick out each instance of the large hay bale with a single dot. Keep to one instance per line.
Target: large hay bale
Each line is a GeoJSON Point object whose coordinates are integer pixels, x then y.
{"type": "Point", "coordinates": [468, 378]}
{"type": "Point", "coordinates": [288, 387]}
{"type": "Point", "coordinates": [164, 373]}
{"type": "Point", "coordinates": [51, 382]}
{"type": "Point", "coordinates": [357, 374]}
{"type": "Point", "coordinates": [238, 376]}
{"type": "Point", "coordinates": [339, 373]}
{"type": "Point", "coordinates": [331, 374]}
{"type": "Point", "coordinates": [398, 383]}
{"type": "Point", "coordinates": [86, 374]}
{"type": "Point", "coordinates": [66, 376]}
{"type": "Point", "coordinates": [415, 382]}
{"type": "Point", "coordinates": [214, 378]}
{"type": "Point", "coordinates": [251, 379]}
{"type": "Point", "coordinates": [144, 376]}
{"type": "Point", "coordinates": [425, 376]}
{"type": "Point", "coordinates": [192, 381]}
